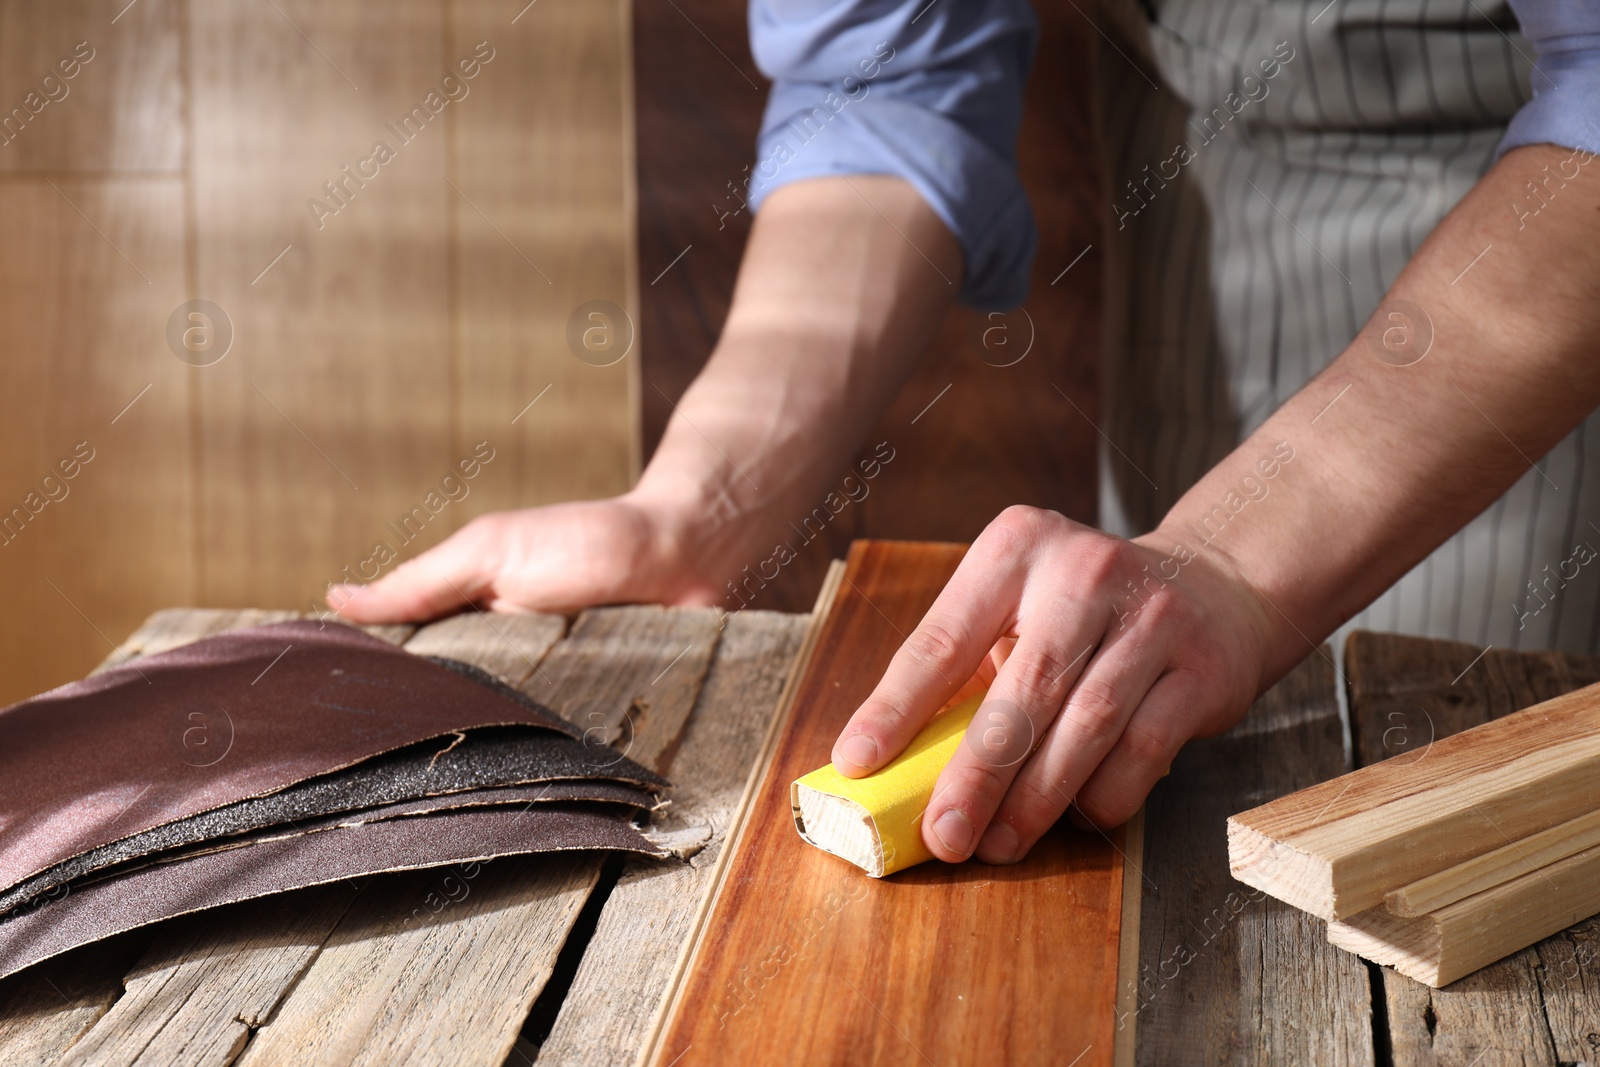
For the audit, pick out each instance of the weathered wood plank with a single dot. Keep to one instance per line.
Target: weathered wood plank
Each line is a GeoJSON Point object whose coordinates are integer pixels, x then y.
{"type": "Point", "coordinates": [443, 967]}
{"type": "Point", "coordinates": [647, 919]}
{"type": "Point", "coordinates": [47, 1008]}
{"type": "Point", "coordinates": [1540, 1005]}
{"type": "Point", "coordinates": [507, 646]}
{"type": "Point", "coordinates": [208, 978]}
{"type": "Point", "coordinates": [1226, 973]}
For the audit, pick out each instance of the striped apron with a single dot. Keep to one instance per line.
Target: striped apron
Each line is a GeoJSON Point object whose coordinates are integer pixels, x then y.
{"type": "Point", "coordinates": [1272, 165]}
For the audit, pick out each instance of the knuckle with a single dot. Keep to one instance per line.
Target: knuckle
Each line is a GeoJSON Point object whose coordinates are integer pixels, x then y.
{"type": "Point", "coordinates": [1036, 675]}
{"type": "Point", "coordinates": [934, 645]}
{"type": "Point", "coordinates": [1102, 565]}
{"type": "Point", "coordinates": [1032, 810]}
{"type": "Point", "coordinates": [1015, 530]}
{"type": "Point", "coordinates": [983, 785]}
{"type": "Point", "coordinates": [1149, 749]}
{"type": "Point", "coordinates": [1095, 708]}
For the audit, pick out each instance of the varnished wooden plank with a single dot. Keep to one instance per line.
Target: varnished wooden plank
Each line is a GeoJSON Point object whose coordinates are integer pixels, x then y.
{"type": "Point", "coordinates": [89, 270]}
{"type": "Point", "coordinates": [122, 110]}
{"type": "Point", "coordinates": [631, 958]}
{"type": "Point", "coordinates": [1223, 967]}
{"type": "Point", "coordinates": [445, 966]}
{"type": "Point", "coordinates": [944, 962]}
{"type": "Point", "coordinates": [542, 210]}
{"type": "Point", "coordinates": [208, 978]}
{"type": "Point", "coordinates": [1537, 1006]}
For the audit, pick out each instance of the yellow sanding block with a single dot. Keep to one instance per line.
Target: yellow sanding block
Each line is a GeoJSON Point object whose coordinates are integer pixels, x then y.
{"type": "Point", "coordinates": [876, 822]}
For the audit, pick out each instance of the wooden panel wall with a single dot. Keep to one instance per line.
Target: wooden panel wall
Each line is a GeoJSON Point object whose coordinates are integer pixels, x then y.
{"type": "Point", "coordinates": [373, 347]}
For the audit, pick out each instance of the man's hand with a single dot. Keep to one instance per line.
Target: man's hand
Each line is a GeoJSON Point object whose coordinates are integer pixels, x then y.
{"type": "Point", "coordinates": [540, 559]}
{"type": "Point", "coordinates": [1106, 655]}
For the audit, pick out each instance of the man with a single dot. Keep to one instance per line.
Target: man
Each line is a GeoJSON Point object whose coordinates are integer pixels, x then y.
{"type": "Point", "coordinates": [1282, 171]}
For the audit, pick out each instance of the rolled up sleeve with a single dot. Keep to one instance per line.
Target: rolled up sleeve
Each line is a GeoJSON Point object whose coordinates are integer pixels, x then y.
{"type": "Point", "coordinates": [1565, 109]}
{"type": "Point", "coordinates": [928, 92]}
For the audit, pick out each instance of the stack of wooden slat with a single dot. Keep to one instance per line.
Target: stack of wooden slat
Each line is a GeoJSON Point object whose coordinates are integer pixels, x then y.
{"type": "Point", "coordinates": [1442, 861]}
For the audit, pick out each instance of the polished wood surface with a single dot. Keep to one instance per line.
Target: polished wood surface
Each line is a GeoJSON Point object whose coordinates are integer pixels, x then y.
{"type": "Point", "coordinates": [374, 346]}
{"type": "Point", "coordinates": [962, 963]}
{"type": "Point", "coordinates": [1003, 427]}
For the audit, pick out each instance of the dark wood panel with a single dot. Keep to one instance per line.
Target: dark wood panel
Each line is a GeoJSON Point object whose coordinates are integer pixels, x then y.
{"type": "Point", "coordinates": [1002, 433]}
{"type": "Point", "coordinates": [1541, 1005]}
{"type": "Point", "coordinates": [968, 963]}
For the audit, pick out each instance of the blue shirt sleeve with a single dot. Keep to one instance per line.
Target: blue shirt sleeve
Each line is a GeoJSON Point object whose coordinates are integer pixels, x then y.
{"type": "Point", "coordinates": [929, 91]}
{"type": "Point", "coordinates": [1565, 109]}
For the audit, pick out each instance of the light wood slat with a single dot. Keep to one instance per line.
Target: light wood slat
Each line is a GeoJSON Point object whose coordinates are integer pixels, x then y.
{"type": "Point", "coordinates": [209, 978]}
{"type": "Point", "coordinates": [455, 987]}
{"type": "Point", "coordinates": [331, 417]}
{"type": "Point", "coordinates": [1538, 1005]}
{"type": "Point", "coordinates": [83, 338]}
{"type": "Point", "coordinates": [1460, 938]}
{"type": "Point", "coordinates": [1223, 967]}
{"type": "Point", "coordinates": [507, 646]}
{"type": "Point", "coordinates": [1495, 868]}
{"type": "Point", "coordinates": [1336, 849]}
{"type": "Point", "coordinates": [543, 162]}
{"type": "Point", "coordinates": [124, 109]}
{"type": "Point", "coordinates": [802, 957]}
{"type": "Point", "coordinates": [633, 954]}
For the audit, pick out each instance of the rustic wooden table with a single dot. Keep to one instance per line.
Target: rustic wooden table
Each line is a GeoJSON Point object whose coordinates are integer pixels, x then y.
{"type": "Point", "coordinates": [565, 959]}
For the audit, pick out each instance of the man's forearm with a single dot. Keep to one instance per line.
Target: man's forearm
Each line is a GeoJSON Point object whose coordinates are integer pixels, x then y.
{"type": "Point", "coordinates": [1391, 456]}
{"type": "Point", "coordinates": [843, 284]}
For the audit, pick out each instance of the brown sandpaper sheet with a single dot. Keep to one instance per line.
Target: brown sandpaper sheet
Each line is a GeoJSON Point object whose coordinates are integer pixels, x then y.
{"type": "Point", "coordinates": [497, 756]}
{"type": "Point", "coordinates": [165, 890]}
{"type": "Point", "coordinates": [239, 715]}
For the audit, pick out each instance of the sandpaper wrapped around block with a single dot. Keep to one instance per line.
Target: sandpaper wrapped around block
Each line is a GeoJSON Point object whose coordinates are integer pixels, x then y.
{"type": "Point", "coordinates": [876, 822]}
{"type": "Point", "coordinates": [166, 890]}
{"type": "Point", "coordinates": [243, 714]}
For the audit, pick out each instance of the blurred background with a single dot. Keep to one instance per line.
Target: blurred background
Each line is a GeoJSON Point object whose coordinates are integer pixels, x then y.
{"type": "Point", "coordinates": [291, 290]}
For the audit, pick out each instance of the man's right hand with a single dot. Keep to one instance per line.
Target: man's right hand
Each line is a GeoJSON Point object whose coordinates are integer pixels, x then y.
{"type": "Point", "coordinates": [557, 558]}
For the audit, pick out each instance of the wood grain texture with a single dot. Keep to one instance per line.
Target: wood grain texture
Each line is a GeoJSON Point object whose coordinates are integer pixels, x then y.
{"type": "Point", "coordinates": [84, 559]}
{"type": "Point", "coordinates": [1537, 1006]}
{"type": "Point", "coordinates": [44, 1010]}
{"type": "Point", "coordinates": [542, 210]}
{"type": "Point", "coordinates": [507, 646]}
{"type": "Point", "coordinates": [949, 963]}
{"type": "Point", "coordinates": [1337, 848]}
{"type": "Point", "coordinates": [122, 112]}
{"type": "Point", "coordinates": [1002, 434]}
{"type": "Point", "coordinates": [1226, 973]}
{"type": "Point", "coordinates": [1513, 860]}
{"type": "Point", "coordinates": [375, 347]}
{"type": "Point", "coordinates": [444, 965]}
{"type": "Point", "coordinates": [630, 960]}
{"type": "Point", "coordinates": [209, 978]}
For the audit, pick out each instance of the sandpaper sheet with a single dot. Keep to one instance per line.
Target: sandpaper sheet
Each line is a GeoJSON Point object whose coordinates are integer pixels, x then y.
{"type": "Point", "coordinates": [239, 715]}
{"type": "Point", "coordinates": [631, 801]}
{"type": "Point", "coordinates": [497, 756]}
{"type": "Point", "coordinates": [166, 890]}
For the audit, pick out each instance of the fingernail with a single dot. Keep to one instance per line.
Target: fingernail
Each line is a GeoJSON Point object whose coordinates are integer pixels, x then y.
{"type": "Point", "coordinates": [954, 831]}
{"type": "Point", "coordinates": [1000, 844]}
{"type": "Point", "coordinates": [859, 750]}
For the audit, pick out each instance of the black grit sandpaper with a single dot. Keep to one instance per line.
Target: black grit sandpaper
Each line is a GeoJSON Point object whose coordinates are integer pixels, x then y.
{"type": "Point", "coordinates": [165, 890]}
{"type": "Point", "coordinates": [497, 756]}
